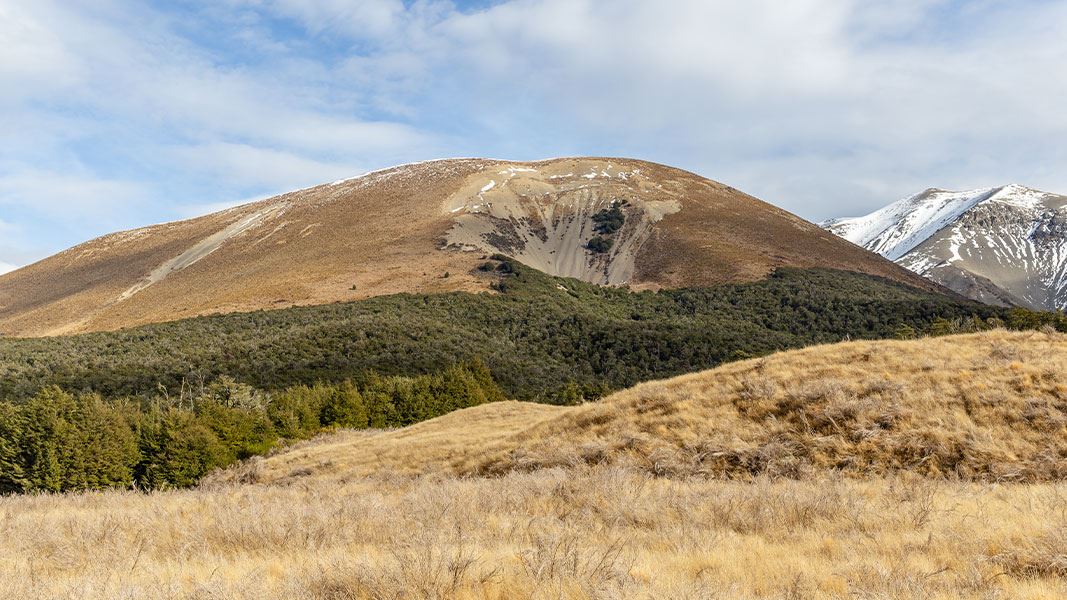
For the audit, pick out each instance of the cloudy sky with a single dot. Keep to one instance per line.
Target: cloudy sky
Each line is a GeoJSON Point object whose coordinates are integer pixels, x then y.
{"type": "Point", "coordinates": [115, 114]}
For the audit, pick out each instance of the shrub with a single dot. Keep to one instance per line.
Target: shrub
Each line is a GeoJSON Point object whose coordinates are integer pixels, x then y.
{"type": "Point", "coordinates": [609, 220]}
{"type": "Point", "coordinates": [55, 442]}
{"type": "Point", "coordinates": [296, 412]}
{"type": "Point", "coordinates": [341, 406]}
{"type": "Point", "coordinates": [177, 449]}
{"type": "Point", "coordinates": [599, 245]}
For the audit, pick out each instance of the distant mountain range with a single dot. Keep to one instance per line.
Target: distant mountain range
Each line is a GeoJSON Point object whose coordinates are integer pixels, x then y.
{"type": "Point", "coordinates": [426, 228]}
{"type": "Point", "coordinates": [1004, 245]}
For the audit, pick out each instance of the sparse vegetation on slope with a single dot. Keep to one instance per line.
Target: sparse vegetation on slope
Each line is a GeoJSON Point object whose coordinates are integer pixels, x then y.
{"type": "Point", "coordinates": [399, 229]}
{"type": "Point", "coordinates": [544, 338]}
{"type": "Point", "coordinates": [605, 223]}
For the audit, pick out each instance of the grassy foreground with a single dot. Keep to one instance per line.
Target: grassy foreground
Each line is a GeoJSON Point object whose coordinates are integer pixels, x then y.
{"type": "Point", "coordinates": [509, 500]}
{"type": "Point", "coordinates": [581, 532]}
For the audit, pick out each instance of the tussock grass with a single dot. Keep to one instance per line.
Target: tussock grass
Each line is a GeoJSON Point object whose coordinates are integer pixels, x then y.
{"type": "Point", "coordinates": [982, 407]}
{"type": "Point", "coordinates": [988, 407]}
{"type": "Point", "coordinates": [886, 470]}
{"type": "Point", "coordinates": [580, 532]}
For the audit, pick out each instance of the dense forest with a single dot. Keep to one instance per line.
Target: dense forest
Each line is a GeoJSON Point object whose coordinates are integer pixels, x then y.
{"type": "Point", "coordinates": [543, 338]}
{"type": "Point", "coordinates": [56, 441]}
{"type": "Point", "coordinates": [161, 405]}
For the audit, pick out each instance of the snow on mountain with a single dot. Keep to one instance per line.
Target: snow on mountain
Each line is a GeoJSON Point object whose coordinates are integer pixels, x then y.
{"type": "Point", "coordinates": [1004, 245]}
{"type": "Point", "coordinates": [898, 228]}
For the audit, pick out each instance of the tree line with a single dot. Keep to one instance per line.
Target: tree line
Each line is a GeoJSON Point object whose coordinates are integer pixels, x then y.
{"type": "Point", "coordinates": [544, 339]}
{"type": "Point", "coordinates": [56, 441]}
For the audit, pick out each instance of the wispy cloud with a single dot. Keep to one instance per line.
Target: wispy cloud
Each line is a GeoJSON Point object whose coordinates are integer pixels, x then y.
{"type": "Point", "coordinates": [123, 113]}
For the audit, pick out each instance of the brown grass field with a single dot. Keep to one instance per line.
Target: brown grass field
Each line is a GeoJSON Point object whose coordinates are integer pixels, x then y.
{"type": "Point", "coordinates": [925, 469]}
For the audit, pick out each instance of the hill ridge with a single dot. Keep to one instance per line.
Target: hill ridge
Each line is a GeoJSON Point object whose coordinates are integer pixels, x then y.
{"type": "Point", "coordinates": [424, 228]}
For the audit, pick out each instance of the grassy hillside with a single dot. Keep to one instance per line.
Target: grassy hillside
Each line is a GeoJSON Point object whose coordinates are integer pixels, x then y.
{"type": "Point", "coordinates": [990, 406]}
{"type": "Point", "coordinates": [621, 499]}
{"type": "Point", "coordinates": [543, 338]}
{"type": "Point", "coordinates": [402, 229]}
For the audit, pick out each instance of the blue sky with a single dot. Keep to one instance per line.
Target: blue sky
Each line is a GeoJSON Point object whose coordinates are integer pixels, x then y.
{"type": "Point", "coordinates": [116, 114]}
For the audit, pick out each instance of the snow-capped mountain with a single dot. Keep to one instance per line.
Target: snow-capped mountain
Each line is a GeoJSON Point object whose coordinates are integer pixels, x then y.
{"type": "Point", "coordinates": [1004, 245]}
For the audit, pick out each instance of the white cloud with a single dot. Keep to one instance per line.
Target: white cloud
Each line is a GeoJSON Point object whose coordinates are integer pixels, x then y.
{"type": "Point", "coordinates": [102, 102]}
{"type": "Point", "coordinates": [34, 58]}
{"type": "Point", "coordinates": [66, 196]}
{"type": "Point", "coordinates": [822, 106]}
{"type": "Point", "coordinates": [242, 165]}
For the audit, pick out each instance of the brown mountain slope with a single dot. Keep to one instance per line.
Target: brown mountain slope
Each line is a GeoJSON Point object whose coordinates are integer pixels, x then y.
{"type": "Point", "coordinates": [424, 228]}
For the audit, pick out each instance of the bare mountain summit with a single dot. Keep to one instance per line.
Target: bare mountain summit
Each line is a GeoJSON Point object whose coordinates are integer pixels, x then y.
{"type": "Point", "coordinates": [1004, 245]}
{"type": "Point", "coordinates": [425, 228]}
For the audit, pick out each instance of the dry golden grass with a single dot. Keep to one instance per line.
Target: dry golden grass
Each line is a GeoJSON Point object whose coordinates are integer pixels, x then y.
{"type": "Point", "coordinates": [481, 504]}
{"type": "Point", "coordinates": [583, 532]}
{"type": "Point", "coordinates": [990, 407]}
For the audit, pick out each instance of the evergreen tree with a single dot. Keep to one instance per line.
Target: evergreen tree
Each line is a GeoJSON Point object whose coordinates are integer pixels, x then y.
{"type": "Point", "coordinates": [342, 405]}
{"type": "Point", "coordinates": [12, 476]}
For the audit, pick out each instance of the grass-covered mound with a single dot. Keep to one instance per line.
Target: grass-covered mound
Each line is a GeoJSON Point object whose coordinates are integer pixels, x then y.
{"type": "Point", "coordinates": [979, 407]}
{"type": "Point", "coordinates": [987, 407]}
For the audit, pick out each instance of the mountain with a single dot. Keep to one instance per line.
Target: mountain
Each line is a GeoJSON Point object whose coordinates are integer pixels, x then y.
{"type": "Point", "coordinates": [1004, 245]}
{"type": "Point", "coordinates": [426, 228]}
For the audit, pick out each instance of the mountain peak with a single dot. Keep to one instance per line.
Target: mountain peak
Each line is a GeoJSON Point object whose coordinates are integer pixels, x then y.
{"type": "Point", "coordinates": [427, 228]}
{"type": "Point", "coordinates": [1005, 245]}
